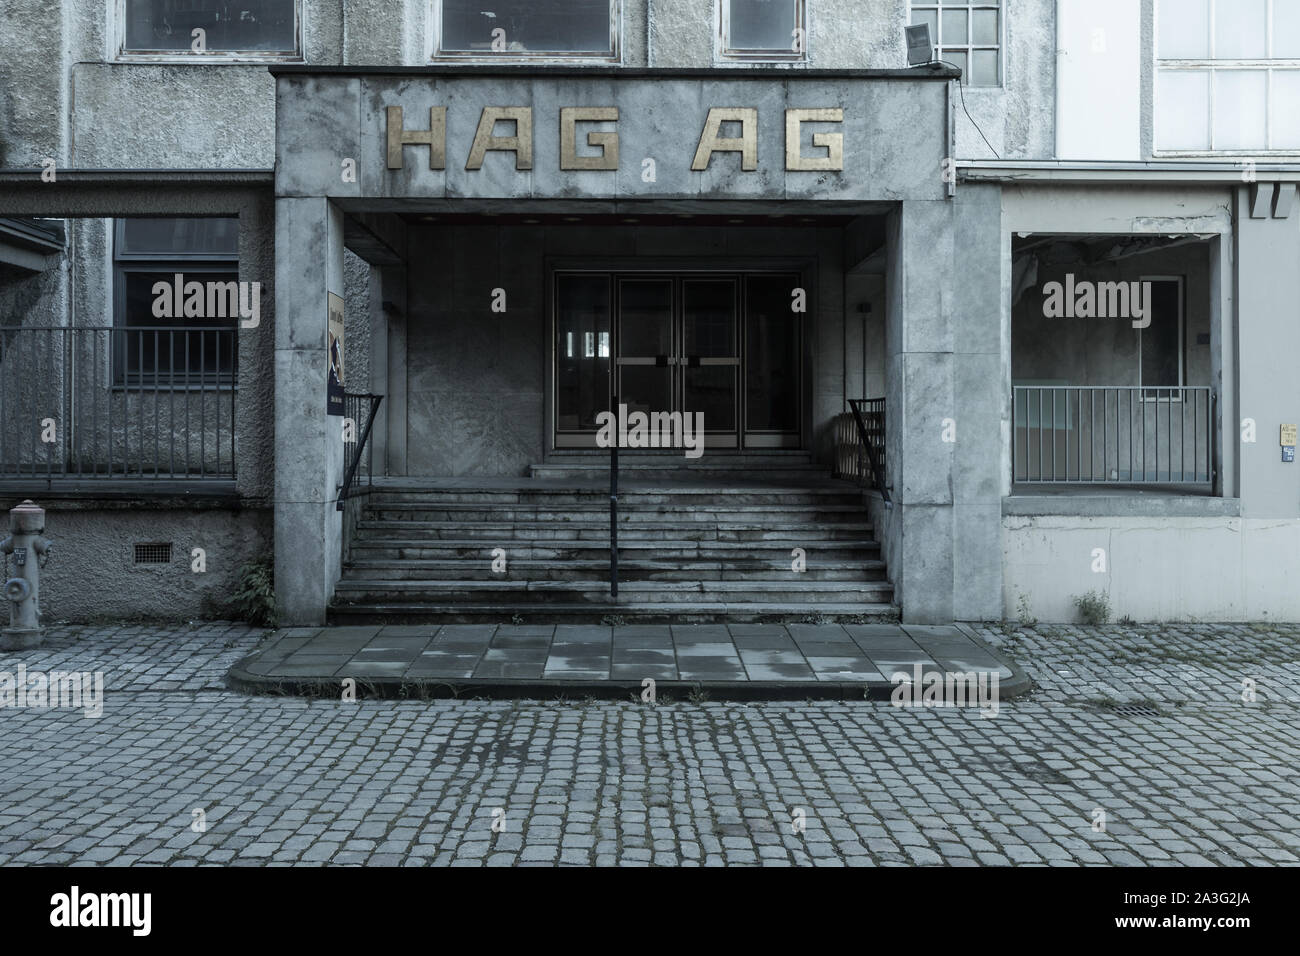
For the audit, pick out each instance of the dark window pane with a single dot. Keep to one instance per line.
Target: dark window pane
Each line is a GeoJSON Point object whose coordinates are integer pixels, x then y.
{"type": "Point", "coordinates": [582, 351]}
{"type": "Point", "coordinates": [166, 238]}
{"type": "Point", "coordinates": [234, 25]}
{"type": "Point", "coordinates": [763, 24]}
{"type": "Point", "coordinates": [149, 349]}
{"type": "Point", "coordinates": [1161, 343]}
{"type": "Point", "coordinates": [773, 360]}
{"type": "Point", "coordinates": [530, 26]}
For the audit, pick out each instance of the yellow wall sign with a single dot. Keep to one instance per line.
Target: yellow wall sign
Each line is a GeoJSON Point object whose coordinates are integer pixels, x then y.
{"type": "Point", "coordinates": [1288, 435]}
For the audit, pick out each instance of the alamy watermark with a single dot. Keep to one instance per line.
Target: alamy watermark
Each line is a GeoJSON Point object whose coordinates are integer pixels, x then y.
{"type": "Point", "coordinates": [946, 689]}
{"type": "Point", "coordinates": [179, 299]}
{"type": "Point", "coordinates": [57, 689]}
{"type": "Point", "coordinates": [651, 430]}
{"type": "Point", "coordinates": [1098, 300]}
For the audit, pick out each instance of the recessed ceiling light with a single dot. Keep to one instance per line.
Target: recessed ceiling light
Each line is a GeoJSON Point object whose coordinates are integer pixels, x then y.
{"type": "Point", "coordinates": [532, 222]}
{"type": "Point", "coordinates": [573, 219]}
{"type": "Point", "coordinates": [735, 220]}
{"type": "Point", "coordinates": [631, 219]}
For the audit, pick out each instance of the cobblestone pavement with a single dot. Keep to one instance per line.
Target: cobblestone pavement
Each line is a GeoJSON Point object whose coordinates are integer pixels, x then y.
{"type": "Point", "coordinates": [1196, 775]}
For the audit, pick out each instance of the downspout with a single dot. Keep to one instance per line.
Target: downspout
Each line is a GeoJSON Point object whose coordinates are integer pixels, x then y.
{"type": "Point", "coordinates": [1056, 83]}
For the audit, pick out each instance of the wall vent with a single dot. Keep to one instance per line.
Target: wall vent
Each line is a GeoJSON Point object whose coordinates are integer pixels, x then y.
{"type": "Point", "coordinates": [153, 553]}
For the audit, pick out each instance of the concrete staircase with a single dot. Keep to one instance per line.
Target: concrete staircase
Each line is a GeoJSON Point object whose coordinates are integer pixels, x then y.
{"type": "Point", "coordinates": [693, 547]}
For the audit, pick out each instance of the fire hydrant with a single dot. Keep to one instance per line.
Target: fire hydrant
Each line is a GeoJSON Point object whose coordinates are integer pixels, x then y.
{"type": "Point", "coordinates": [30, 551]}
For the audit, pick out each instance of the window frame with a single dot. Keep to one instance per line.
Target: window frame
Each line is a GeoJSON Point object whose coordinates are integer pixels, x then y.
{"type": "Point", "coordinates": [968, 5]}
{"type": "Point", "coordinates": [435, 53]}
{"type": "Point", "coordinates": [123, 55]}
{"type": "Point", "coordinates": [1208, 66]}
{"type": "Point", "coordinates": [723, 55]}
{"type": "Point", "coordinates": [123, 263]}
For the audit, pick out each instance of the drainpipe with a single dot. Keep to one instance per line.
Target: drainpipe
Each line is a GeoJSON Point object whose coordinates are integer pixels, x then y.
{"type": "Point", "coordinates": [1056, 82]}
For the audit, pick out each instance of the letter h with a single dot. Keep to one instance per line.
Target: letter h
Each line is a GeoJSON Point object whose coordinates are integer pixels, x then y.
{"type": "Point", "coordinates": [435, 137]}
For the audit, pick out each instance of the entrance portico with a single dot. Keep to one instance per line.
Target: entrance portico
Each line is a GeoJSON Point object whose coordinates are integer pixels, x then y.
{"type": "Point", "coordinates": [756, 247]}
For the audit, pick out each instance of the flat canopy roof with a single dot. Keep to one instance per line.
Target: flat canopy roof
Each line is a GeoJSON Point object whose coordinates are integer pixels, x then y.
{"type": "Point", "coordinates": [932, 71]}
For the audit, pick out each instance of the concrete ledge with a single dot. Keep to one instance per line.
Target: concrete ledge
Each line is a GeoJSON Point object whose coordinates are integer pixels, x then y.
{"type": "Point", "coordinates": [1135, 505]}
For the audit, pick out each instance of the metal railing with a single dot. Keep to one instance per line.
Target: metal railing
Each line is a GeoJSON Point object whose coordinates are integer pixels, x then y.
{"type": "Point", "coordinates": [1093, 434]}
{"type": "Point", "coordinates": [860, 444]}
{"type": "Point", "coordinates": [613, 513]}
{"type": "Point", "coordinates": [359, 411]}
{"type": "Point", "coordinates": [128, 402]}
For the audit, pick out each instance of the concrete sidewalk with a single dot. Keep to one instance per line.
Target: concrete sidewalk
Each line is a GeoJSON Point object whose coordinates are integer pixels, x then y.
{"type": "Point", "coordinates": [737, 661]}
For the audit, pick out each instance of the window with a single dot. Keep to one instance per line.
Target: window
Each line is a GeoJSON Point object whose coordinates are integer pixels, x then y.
{"type": "Point", "coordinates": [175, 349]}
{"type": "Point", "coordinates": [526, 29]}
{"type": "Point", "coordinates": [1161, 343]}
{"type": "Point", "coordinates": [763, 30]}
{"type": "Point", "coordinates": [231, 28]}
{"type": "Point", "coordinates": [1227, 76]}
{"type": "Point", "coordinates": [967, 35]}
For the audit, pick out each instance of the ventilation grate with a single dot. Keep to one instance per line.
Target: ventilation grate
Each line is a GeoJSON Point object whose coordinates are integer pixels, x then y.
{"type": "Point", "coordinates": [1137, 710]}
{"type": "Point", "coordinates": [153, 553]}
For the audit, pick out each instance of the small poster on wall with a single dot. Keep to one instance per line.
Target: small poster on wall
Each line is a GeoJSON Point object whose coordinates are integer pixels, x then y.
{"type": "Point", "coordinates": [334, 397]}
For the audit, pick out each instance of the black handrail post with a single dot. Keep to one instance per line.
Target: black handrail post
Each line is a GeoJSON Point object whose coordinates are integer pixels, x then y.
{"type": "Point", "coordinates": [613, 508]}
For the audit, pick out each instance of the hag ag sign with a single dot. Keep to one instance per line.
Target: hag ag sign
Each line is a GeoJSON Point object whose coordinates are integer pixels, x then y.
{"type": "Point", "coordinates": [605, 144]}
{"type": "Point", "coordinates": [395, 134]}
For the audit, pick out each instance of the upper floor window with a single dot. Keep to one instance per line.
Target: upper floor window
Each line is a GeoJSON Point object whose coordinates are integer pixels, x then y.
{"type": "Point", "coordinates": [1227, 76]}
{"type": "Point", "coordinates": [224, 28]}
{"type": "Point", "coordinates": [527, 29]}
{"type": "Point", "coordinates": [763, 30]}
{"type": "Point", "coordinates": [967, 35]}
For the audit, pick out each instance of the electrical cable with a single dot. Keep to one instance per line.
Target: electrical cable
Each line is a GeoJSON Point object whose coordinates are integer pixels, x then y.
{"type": "Point", "coordinates": [961, 90]}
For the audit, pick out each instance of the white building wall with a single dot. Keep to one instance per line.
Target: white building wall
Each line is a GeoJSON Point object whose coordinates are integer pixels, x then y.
{"type": "Point", "coordinates": [1099, 80]}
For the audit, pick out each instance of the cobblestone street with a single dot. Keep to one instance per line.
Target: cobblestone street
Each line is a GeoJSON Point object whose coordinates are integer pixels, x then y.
{"type": "Point", "coordinates": [1188, 773]}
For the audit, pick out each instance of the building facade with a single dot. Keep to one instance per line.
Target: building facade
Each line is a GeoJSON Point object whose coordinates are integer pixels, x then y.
{"type": "Point", "coordinates": [1049, 279]}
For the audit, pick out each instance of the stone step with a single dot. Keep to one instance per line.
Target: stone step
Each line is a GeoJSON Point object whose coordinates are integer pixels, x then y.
{"type": "Point", "coordinates": [629, 569]}
{"type": "Point", "coordinates": [500, 532]}
{"type": "Point", "coordinates": [773, 552]}
{"type": "Point", "coordinates": [626, 612]}
{"type": "Point", "coordinates": [632, 512]}
{"type": "Point", "coordinates": [597, 591]}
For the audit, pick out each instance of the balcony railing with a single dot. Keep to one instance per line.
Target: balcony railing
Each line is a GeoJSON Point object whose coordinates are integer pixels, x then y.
{"type": "Point", "coordinates": [142, 403]}
{"type": "Point", "coordinates": [1113, 435]}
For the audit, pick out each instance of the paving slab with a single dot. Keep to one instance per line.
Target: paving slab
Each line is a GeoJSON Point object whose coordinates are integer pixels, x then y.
{"type": "Point", "coordinates": [738, 661]}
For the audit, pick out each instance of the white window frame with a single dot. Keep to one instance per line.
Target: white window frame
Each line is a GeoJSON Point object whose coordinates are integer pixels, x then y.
{"type": "Point", "coordinates": [724, 56]}
{"type": "Point", "coordinates": [1209, 67]}
{"type": "Point", "coordinates": [436, 54]}
{"type": "Point", "coordinates": [970, 5]}
{"type": "Point", "coordinates": [122, 55]}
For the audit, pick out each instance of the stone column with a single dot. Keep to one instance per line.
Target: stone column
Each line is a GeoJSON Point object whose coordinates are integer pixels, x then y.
{"type": "Point", "coordinates": [948, 404]}
{"type": "Point", "coordinates": [308, 442]}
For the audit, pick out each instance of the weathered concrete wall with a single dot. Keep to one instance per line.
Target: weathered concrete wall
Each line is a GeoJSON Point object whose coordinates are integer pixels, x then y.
{"type": "Point", "coordinates": [948, 405]}
{"type": "Point", "coordinates": [92, 572]}
{"type": "Point", "coordinates": [1159, 566]}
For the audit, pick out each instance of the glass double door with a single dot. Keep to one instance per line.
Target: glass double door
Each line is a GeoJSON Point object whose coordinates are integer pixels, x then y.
{"type": "Point", "coordinates": [677, 350]}
{"type": "Point", "coordinates": [724, 346]}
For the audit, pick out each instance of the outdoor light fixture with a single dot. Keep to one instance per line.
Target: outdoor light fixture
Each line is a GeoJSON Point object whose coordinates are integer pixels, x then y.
{"type": "Point", "coordinates": [919, 49]}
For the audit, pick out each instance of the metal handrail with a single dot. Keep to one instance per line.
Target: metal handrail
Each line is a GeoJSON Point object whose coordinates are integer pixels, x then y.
{"type": "Point", "coordinates": [363, 441]}
{"type": "Point", "coordinates": [868, 440]}
{"type": "Point", "coordinates": [613, 513]}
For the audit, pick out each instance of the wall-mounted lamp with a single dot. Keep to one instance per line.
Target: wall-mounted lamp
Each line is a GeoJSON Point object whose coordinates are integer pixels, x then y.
{"type": "Point", "coordinates": [920, 50]}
